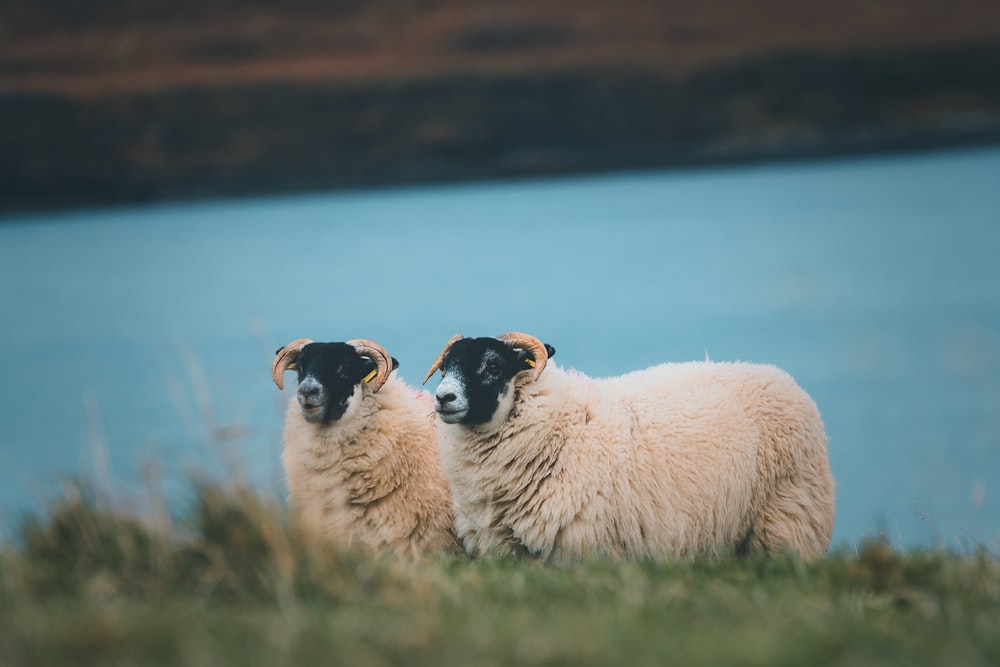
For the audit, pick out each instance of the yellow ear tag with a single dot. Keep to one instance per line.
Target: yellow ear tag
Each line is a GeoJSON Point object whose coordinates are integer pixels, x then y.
{"type": "Point", "coordinates": [368, 378]}
{"type": "Point", "coordinates": [530, 362]}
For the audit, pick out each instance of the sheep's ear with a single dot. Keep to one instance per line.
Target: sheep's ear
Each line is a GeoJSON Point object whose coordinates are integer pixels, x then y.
{"type": "Point", "coordinates": [290, 366]}
{"type": "Point", "coordinates": [369, 370]}
{"type": "Point", "coordinates": [527, 360]}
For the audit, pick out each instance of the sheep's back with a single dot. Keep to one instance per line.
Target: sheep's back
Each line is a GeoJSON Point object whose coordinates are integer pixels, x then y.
{"type": "Point", "coordinates": [679, 458]}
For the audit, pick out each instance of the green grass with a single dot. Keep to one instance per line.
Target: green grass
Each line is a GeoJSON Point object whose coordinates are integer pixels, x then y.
{"type": "Point", "coordinates": [232, 583]}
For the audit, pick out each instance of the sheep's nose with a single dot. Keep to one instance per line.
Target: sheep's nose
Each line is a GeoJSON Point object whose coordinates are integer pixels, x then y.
{"type": "Point", "coordinates": [310, 392]}
{"type": "Point", "coordinates": [446, 398]}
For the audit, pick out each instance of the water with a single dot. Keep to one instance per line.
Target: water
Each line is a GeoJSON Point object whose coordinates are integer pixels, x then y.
{"type": "Point", "coordinates": [137, 342]}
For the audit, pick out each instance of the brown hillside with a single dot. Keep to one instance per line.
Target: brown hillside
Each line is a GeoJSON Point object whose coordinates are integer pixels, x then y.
{"type": "Point", "coordinates": [115, 99]}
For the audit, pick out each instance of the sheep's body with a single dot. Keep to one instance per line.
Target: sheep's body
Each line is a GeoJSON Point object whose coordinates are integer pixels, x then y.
{"type": "Point", "coordinates": [672, 461]}
{"type": "Point", "coordinates": [374, 476]}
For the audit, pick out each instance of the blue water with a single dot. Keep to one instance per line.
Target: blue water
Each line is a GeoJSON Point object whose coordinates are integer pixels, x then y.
{"type": "Point", "coordinates": [137, 342]}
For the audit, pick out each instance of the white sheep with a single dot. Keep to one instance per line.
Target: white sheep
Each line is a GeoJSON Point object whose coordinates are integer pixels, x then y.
{"type": "Point", "coordinates": [360, 452]}
{"type": "Point", "coordinates": [673, 461]}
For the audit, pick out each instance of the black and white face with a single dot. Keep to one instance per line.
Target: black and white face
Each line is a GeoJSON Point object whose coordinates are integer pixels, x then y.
{"type": "Point", "coordinates": [330, 380]}
{"type": "Point", "coordinates": [478, 384]}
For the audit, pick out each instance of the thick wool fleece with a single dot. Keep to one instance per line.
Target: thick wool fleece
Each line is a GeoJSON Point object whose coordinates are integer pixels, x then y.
{"type": "Point", "coordinates": [375, 478]}
{"type": "Point", "coordinates": [672, 461]}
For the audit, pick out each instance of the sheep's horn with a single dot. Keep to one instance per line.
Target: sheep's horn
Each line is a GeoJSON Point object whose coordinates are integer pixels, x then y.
{"type": "Point", "coordinates": [526, 342]}
{"type": "Point", "coordinates": [440, 360]}
{"type": "Point", "coordinates": [378, 354]}
{"type": "Point", "coordinates": [284, 358]}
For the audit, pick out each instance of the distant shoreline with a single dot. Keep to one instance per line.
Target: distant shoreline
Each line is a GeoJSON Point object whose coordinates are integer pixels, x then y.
{"type": "Point", "coordinates": [190, 143]}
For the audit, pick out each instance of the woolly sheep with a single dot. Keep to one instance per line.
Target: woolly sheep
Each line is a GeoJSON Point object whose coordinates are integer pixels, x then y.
{"type": "Point", "coordinates": [360, 452]}
{"type": "Point", "coordinates": [674, 461]}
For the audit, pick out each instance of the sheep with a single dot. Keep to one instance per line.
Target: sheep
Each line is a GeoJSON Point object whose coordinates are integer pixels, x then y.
{"type": "Point", "coordinates": [360, 453]}
{"type": "Point", "coordinates": [679, 460]}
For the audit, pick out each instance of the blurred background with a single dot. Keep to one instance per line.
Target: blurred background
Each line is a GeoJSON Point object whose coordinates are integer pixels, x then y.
{"type": "Point", "coordinates": [187, 186]}
{"type": "Point", "coordinates": [139, 100]}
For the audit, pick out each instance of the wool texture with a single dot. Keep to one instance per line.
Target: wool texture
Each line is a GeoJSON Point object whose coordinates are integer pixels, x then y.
{"type": "Point", "coordinates": [373, 479]}
{"type": "Point", "coordinates": [673, 461]}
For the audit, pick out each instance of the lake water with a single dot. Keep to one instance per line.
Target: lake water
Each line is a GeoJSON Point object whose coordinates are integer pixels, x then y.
{"type": "Point", "coordinates": [137, 342]}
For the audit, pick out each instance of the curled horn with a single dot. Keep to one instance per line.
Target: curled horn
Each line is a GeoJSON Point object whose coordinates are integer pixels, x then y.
{"type": "Point", "coordinates": [285, 358]}
{"type": "Point", "coordinates": [440, 360]}
{"type": "Point", "coordinates": [378, 354]}
{"type": "Point", "coordinates": [526, 342]}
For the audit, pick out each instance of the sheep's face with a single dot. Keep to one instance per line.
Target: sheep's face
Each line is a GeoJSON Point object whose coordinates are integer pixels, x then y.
{"type": "Point", "coordinates": [331, 376]}
{"type": "Point", "coordinates": [478, 384]}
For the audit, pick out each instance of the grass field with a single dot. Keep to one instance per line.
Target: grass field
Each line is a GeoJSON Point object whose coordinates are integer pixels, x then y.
{"type": "Point", "coordinates": [231, 583]}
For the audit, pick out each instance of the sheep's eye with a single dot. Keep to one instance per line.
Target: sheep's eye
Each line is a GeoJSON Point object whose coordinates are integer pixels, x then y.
{"type": "Point", "coordinates": [491, 368]}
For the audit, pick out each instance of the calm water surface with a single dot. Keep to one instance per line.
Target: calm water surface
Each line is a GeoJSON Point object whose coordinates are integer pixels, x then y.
{"type": "Point", "coordinates": [137, 342]}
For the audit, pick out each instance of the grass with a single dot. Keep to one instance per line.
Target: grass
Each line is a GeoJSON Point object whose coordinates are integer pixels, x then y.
{"type": "Point", "coordinates": [233, 583]}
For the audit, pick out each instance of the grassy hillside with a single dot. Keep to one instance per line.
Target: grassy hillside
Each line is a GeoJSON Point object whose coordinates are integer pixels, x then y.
{"type": "Point", "coordinates": [127, 45]}
{"type": "Point", "coordinates": [231, 583]}
{"type": "Point", "coordinates": [109, 101]}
